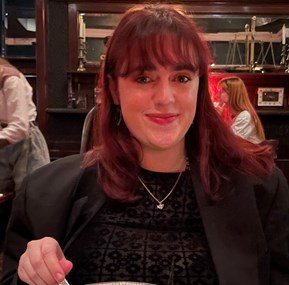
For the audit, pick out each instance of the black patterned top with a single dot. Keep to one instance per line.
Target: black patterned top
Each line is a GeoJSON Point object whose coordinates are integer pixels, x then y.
{"type": "Point", "coordinates": [139, 242]}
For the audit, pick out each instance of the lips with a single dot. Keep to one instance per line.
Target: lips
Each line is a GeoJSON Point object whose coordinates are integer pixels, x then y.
{"type": "Point", "coordinates": [162, 119]}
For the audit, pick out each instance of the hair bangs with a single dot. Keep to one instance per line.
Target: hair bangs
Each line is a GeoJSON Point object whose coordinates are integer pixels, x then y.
{"type": "Point", "coordinates": [156, 35]}
{"type": "Point", "coordinates": [163, 49]}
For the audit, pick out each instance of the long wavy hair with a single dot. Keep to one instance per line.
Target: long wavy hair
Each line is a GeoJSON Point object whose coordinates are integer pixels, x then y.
{"type": "Point", "coordinates": [239, 101]}
{"type": "Point", "coordinates": [140, 39]}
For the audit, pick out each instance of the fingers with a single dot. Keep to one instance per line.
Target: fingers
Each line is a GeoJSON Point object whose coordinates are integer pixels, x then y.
{"type": "Point", "coordinates": [219, 109]}
{"type": "Point", "coordinates": [27, 272]}
{"type": "Point", "coordinates": [66, 265]}
{"type": "Point", "coordinates": [52, 254]}
{"type": "Point", "coordinates": [43, 263]}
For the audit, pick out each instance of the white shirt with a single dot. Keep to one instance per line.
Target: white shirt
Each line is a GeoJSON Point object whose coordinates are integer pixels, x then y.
{"type": "Point", "coordinates": [16, 108]}
{"type": "Point", "coordinates": [244, 127]}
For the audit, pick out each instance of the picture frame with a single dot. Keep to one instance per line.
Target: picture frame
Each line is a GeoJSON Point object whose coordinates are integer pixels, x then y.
{"type": "Point", "coordinates": [270, 97]}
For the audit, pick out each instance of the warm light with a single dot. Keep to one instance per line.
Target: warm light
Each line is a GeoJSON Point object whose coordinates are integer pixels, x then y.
{"type": "Point", "coordinates": [283, 34]}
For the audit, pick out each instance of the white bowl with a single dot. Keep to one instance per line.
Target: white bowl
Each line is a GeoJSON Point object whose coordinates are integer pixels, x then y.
{"type": "Point", "coordinates": [121, 283]}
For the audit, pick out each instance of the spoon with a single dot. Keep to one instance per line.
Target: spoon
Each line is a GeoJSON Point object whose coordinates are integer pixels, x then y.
{"type": "Point", "coordinates": [64, 282]}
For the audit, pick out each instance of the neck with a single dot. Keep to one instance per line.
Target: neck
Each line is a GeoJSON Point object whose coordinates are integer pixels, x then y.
{"type": "Point", "coordinates": [164, 161]}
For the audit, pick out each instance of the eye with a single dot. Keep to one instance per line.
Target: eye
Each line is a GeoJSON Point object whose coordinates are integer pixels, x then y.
{"type": "Point", "coordinates": [143, 79]}
{"type": "Point", "coordinates": [183, 78]}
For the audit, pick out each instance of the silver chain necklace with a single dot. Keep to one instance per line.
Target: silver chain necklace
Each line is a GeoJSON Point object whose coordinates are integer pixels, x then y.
{"type": "Point", "coordinates": [160, 204]}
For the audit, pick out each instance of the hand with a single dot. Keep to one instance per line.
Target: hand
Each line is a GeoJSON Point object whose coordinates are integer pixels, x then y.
{"type": "Point", "coordinates": [43, 263]}
{"type": "Point", "coordinates": [219, 107]}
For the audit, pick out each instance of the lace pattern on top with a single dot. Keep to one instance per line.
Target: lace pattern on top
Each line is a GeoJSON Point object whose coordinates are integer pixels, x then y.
{"type": "Point", "coordinates": [138, 242]}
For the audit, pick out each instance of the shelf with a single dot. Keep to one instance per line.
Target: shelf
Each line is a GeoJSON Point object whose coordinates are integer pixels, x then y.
{"type": "Point", "coordinates": [66, 111]}
{"type": "Point", "coordinates": [274, 112]}
{"type": "Point", "coordinates": [86, 72]}
{"type": "Point", "coordinates": [260, 69]}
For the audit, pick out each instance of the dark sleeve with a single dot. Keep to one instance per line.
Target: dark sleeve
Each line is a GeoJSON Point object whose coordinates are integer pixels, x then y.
{"type": "Point", "coordinates": [18, 234]}
{"type": "Point", "coordinates": [276, 229]}
{"type": "Point", "coordinates": [41, 208]}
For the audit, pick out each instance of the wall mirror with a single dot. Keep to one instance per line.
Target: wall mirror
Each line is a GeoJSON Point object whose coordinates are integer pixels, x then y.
{"type": "Point", "coordinates": [238, 42]}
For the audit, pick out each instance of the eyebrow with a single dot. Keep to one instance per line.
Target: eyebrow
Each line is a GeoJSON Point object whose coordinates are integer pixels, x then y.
{"type": "Point", "coordinates": [184, 66]}
{"type": "Point", "coordinates": [151, 67]}
{"type": "Point", "coordinates": [138, 69]}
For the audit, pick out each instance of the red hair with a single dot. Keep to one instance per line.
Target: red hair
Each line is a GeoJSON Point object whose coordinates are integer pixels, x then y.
{"type": "Point", "coordinates": [140, 39]}
{"type": "Point", "coordinates": [239, 101]}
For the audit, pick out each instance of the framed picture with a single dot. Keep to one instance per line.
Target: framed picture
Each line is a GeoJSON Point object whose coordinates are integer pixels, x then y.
{"type": "Point", "coordinates": [270, 97]}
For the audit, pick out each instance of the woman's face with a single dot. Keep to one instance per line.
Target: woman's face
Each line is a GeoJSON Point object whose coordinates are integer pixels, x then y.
{"type": "Point", "coordinates": [223, 96]}
{"type": "Point", "coordinates": [159, 104]}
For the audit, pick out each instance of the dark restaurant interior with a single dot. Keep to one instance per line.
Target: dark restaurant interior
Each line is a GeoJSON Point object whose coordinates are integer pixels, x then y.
{"type": "Point", "coordinates": [59, 46]}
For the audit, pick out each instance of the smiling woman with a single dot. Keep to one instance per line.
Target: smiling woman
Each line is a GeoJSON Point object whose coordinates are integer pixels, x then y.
{"type": "Point", "coordinates": [168, 194]}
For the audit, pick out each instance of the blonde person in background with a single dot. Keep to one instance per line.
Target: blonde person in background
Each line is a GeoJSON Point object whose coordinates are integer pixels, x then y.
{"type": "Point", "coordinates": [244, 119]}
{"type": "Point", "coordinates": [22, 145]}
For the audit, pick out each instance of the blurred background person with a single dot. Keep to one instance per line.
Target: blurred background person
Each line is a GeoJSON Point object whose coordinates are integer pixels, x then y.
{"type": "Point", "coordinates": [244, 121]}
{"type": "Point", "coordinates": [22, 145]}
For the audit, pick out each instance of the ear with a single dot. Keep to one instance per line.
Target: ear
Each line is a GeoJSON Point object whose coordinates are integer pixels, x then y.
{"type": "Point", "coordinates": [113, 90]}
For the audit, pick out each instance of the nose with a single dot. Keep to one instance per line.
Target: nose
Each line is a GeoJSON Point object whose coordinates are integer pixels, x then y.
{"type": "Point", "coordinates": [164, 93]}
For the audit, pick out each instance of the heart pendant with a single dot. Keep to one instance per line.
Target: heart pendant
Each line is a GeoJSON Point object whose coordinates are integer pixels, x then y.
{"type": "Point", "coordinates": [160, 206]}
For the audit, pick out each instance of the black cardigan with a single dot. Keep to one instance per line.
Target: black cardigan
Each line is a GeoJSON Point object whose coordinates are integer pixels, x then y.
{"type": "Point", "coordinates": [248, 231]}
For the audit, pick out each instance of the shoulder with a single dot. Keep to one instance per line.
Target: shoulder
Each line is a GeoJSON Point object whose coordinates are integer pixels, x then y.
{"type": "Point", "coordinates": [271, 192]}
{"type": "Point", "coordinates": [8, 75]}
{"type": "Point", "coordinates": [264, 189]}
{"type": "Point", "coordinates": [8, 71]}
{"type": "Point", "coordinates": [266, 186]}
{"type": "Point", "coordinates": [14, 81]}
{"type": "Point", "coordinates": [244, 115]}
{"type": "Point", "coordinates": [66, 165]}
{"type": "Point", "coordinates": [273, 181]}
{"type": "Point", "coordinates": [53, 197]}
{"type": "Point", "coordinates": [275, 184]}
{"type": "Point", "coordinates": [64, 174]}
